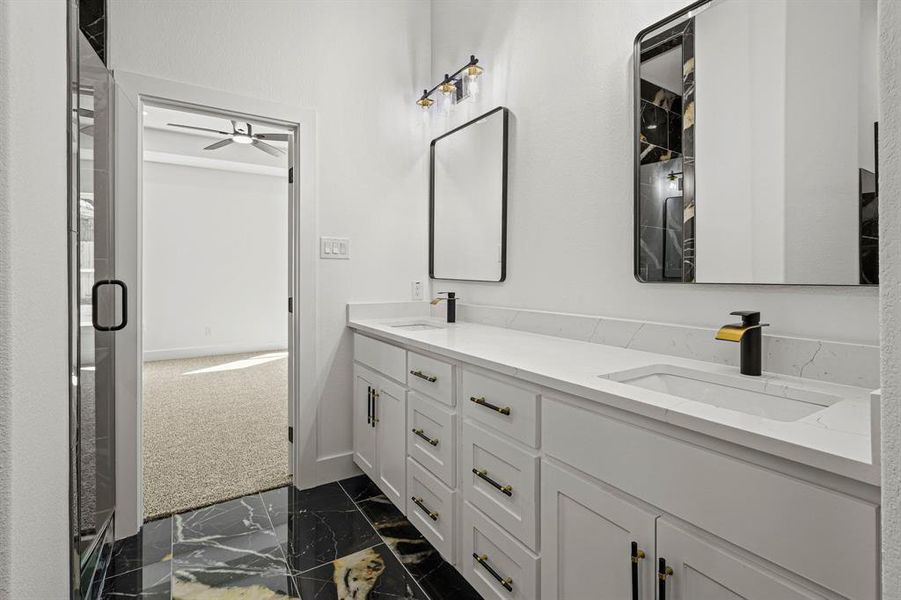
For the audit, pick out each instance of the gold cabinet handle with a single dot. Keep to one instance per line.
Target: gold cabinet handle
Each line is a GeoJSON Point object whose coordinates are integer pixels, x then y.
{"type": "Point", "coordinates": [418, 502]}
{"type": "Point", "coordinates": [421, 375]}
{"type": "Point", "coordinates": [483, 474]}
{"type": "Point", "coordinates": [482, 559]}
{"type": "Point", "coordinates": [420, 433]}
{"type": "Point", "coordinates": [480, 400]}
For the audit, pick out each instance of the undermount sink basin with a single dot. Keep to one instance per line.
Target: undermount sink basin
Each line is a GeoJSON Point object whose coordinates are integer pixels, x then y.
{"type": "Point", "coordinates": [761, 397]}
{"type": "Point", "coordinates": [417, 326]}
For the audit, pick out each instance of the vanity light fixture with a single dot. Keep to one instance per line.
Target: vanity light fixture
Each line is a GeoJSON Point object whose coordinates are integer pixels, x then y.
{"type": "Point", "coordinates": [454, 87]}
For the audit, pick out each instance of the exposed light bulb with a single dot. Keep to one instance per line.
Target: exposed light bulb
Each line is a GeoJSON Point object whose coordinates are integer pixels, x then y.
{"type": "Point", "coordinates": [472, 77]}
{"type": "Point", "coordinates": [447, 96]}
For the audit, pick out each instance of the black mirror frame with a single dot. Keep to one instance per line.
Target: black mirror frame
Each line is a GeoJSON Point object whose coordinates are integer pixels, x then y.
{"type": "Point", "coordinates": [503, 276]}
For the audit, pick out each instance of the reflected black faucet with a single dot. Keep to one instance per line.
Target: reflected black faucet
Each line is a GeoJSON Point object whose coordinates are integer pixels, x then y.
{"type": "Point", "coordinates": [451, 305]}
{"type": "Point", "coordinates": [749, 335]}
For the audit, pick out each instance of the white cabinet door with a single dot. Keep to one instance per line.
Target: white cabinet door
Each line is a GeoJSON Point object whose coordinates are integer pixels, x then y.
{"type": "Point", "coordinates": [704, 570]}
{"type": "Point", "coordinates": [587, 534]}
{"type": "Point", "coordinates": [365, 388]}
{"type": "Point", "coordinates": [391, 432]}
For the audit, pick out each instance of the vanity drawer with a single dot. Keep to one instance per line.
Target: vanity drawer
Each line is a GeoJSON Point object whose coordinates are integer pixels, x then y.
{"type": "Point", "coordinates": [501, 479]}
{"type": "Point", "coordinates": [430, 507]}
{"type": "Point", "coordinates": [384, 358]}
{"type": "Point", "coordinates": [431, 436]}
{"type": "Point", "coordinates": [510, 409]}
{"type": "Point", "coordinates": [432, 377]}
{"type": "Point", "coordinates": [491, 559]}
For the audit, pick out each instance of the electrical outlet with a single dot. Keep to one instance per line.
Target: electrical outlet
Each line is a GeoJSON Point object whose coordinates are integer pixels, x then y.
{"type": "Point", "coordinates": [416, 290]}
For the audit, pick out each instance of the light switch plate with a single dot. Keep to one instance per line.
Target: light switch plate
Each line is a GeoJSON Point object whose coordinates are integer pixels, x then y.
{"type": "Point", "coordinates": [333, 247]}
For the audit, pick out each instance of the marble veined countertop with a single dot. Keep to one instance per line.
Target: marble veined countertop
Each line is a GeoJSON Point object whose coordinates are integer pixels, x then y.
{"type": "Point", "coordinates": [835, 439]}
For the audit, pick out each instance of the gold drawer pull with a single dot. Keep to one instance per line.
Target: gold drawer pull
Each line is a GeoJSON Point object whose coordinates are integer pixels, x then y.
{"type": "Point", "coordinates": [421, 434]}
{"type": "Point", "coordinates": [431, 514]}
{"type": "Point", "coordinates": [482, 559]}
{"type": "Point", "coordinates": [483, 474]}
{"type": "Point", "coordinates": [480, 400]}
{"type": "Point", "coordinates": [421, 375]}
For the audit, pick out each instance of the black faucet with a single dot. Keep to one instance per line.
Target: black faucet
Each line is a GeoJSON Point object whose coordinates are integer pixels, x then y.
{"type": "Point", "coordinates": [748, 334]}
{"type": "Point", "coordinates": [451, 305]}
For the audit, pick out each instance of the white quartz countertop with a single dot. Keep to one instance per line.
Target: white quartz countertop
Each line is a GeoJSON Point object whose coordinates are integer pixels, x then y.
{"type": "Point", "coordinates": [835, 439]}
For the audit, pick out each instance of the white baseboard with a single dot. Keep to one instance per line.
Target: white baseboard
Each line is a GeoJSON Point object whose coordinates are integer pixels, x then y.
{"type": "Point", "coordinates": [217, 350]}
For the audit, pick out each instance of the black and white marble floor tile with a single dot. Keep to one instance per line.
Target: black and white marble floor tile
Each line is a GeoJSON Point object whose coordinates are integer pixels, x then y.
{"type": "Point", "coordinates": [229, 550]}
{"type": "Point", "coordinates": [318, 525]}
{"type": "Point", "coordinates": [226, 519]}
{"type": "Point", "coordinates": [436, 576]}
{"type": "Point", "coordinates": [151, 582]}
{"type": "Point", "coordinates": [373, 574]}
{"type": "Point", "coordinates": [141, 566]}
{"type": "Point", "coordinates": [153, 544]}
{"type": "Point", "coordinates": [336, 541]}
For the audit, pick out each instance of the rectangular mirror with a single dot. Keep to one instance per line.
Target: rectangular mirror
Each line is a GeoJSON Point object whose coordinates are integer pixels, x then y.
{"type": "Point", "coordinates": [755, 143]}
{"type": "Point", "coordinates": [468, 200]}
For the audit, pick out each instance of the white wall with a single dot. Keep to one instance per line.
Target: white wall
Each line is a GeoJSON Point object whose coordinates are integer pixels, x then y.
{"type": "Point", "coordinates": [34, 416]}
{"type": "Point", "coordinates": [740, 142]}
{"type": "Point", "coordinates": [564, 70]}
{"type": "Point", "coordinates": [777, 174]}
{"type": "Point", "coordinates": [890, 290]}
{"type": "Point", "coordinates": [215, 261]}
{"type": "Point", "coordinates": [822, 155]}
{"type": "Point", "coordinates": [360, 64]}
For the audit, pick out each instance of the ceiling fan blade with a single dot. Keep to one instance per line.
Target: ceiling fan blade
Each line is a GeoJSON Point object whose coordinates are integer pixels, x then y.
{"type": "Point", "coordinates": [273, 137]}
{"type": "Point", "coordinates": [199, 128]}
{"type": "Point", "coordinates": [267, 148]}
{"type": "Point", "coordinates": [220, 144]}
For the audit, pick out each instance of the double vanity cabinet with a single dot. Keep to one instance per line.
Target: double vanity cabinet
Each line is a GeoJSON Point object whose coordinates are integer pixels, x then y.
{"type": "Point", "coordinates": [533, 491]}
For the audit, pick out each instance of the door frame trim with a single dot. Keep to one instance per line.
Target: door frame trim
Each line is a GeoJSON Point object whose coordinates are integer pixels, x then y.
{"type": "Point", "coordinates": [303, 212]}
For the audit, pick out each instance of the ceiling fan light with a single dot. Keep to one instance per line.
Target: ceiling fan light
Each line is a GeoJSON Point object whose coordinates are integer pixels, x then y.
{"type": "Point", "coordinates": [242, 138]}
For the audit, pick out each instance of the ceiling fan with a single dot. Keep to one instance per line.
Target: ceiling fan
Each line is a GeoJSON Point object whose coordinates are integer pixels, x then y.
{"type": "Point", "coordinates": [242, 136]}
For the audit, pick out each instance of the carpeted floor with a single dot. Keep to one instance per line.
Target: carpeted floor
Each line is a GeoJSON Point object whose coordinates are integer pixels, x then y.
{"type": "Point", "coordinates": [215, 428]}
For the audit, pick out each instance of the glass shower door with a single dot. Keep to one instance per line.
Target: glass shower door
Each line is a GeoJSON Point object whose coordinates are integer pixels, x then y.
{"type": "Point", "coordinates": [99, 299]}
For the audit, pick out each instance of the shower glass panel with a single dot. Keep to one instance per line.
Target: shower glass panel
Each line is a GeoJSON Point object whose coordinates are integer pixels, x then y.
{"type": "Point", "coordinates": [96, 304]}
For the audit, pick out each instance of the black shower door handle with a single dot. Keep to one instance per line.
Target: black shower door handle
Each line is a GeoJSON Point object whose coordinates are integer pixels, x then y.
{"type": "Point", "coordinates": [94, 291]}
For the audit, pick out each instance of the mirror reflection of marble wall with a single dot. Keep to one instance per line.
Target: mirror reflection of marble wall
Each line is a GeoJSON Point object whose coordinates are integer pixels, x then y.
{"type": "Point", "coordinates": [761, 118]}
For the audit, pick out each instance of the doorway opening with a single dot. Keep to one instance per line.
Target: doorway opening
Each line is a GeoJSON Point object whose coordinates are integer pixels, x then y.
{"type": "Point", "coordinates": [216, 278]}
